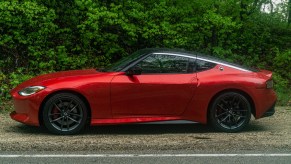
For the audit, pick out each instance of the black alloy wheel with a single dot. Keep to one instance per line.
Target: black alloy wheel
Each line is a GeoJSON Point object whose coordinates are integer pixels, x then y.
{"type": "Point", "coordinates": [64, 113]}
{"type": "Point", "coordinates": [230, 112]}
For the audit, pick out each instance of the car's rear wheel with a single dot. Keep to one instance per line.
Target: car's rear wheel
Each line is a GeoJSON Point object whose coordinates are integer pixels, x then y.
{"type": "Point", "coordinates": [64, 113]}
{"type": "Point", "coordinates": [230, 112]}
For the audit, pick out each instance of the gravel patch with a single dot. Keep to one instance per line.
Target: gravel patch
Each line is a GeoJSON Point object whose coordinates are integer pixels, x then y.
{"type": "Point", "coordinates": [272, 133]}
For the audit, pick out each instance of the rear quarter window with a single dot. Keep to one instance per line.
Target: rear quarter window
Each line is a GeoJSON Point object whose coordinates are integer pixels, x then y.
{"type": "Point", "coordinates": [202, 65]}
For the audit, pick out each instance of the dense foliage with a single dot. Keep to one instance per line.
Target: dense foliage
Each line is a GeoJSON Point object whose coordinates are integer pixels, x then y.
{"type": "Point", "coordinates": [40, 36]}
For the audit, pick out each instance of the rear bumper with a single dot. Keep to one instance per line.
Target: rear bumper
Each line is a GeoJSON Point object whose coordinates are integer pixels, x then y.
{"type": "Point", "coordinates": [269, 112]}
{"type": "Point", "coordinates": [265, 100]}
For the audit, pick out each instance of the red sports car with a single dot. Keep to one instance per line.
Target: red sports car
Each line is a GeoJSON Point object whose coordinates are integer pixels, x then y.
{"type": "Point", "coordinates": [148, 86]}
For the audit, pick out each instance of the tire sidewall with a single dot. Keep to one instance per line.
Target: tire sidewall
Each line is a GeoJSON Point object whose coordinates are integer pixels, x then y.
{"type": "Point", "coordinates": [48, 105]}
{"type": "Point", "coordinates": [214, 121]}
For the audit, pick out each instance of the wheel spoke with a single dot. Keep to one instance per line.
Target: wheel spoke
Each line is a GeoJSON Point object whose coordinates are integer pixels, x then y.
{"type": "Point", "coordinates": [65, 114]}
{"type": "Point", "coordinates": [225, 118]}
{"type": "Point", "coordinates": [236, 120]}
{"type": "Point", "coordinates": [69, 105]}
{"type": "Point", "coordinates": [73, 120]}
{"type": "Point", "coordinates": [62, 124]}
{"type": "Point", "coordinates": [54, 114]}
{"type": "Point", "coordinates": [57, 107]}
{"type": "Point", "coordinates": [234, 99]}
{"type": "Point", "coordinates": [237, 115]}
{"type": "Point", "coordinates": [221, 114]}
{"type": "Point", "coordinates": [73, 108]}
{"type": "Point", "coordinates": [240, 110]}
{"type": "Point", "coordinates": [232, 111]}
{"type": "Point", "coordinates": [57, 119]}
{"type": "Point", "coordinates": [226, 103]}
{"type": "Point", "coordinates": [61, 102]}
{"type": "Point", "coordinates": [229, 118]}
{"type": "Point", "coordinates": [68, 126]}
{"type": "Point", "coordinates": [221, 107]}
{"type": "Point", "coordinates": [78, 115]}
{"type": "Point", "coordinates": [233, 121]}
{"type": "Point", "coordinates": [236, 123]}
{"type": "Point", "coordinates": [238, 102]}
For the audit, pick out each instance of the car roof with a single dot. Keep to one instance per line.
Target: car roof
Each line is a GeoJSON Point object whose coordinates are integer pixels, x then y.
{"type": "Point", "coordinates": [182, 52]}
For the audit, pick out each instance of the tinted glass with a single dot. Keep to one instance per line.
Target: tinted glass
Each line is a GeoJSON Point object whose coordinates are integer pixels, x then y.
{"type": "Point", "coordinates": [124, 62]}
{"type": "Point", "coordinates": [204, 65]}
{"type": "Point", "coordinates": [157, 63]}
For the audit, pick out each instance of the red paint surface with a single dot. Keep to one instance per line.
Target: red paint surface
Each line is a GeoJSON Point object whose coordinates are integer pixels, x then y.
{"type": "Point", "coordinates": [115, 98]}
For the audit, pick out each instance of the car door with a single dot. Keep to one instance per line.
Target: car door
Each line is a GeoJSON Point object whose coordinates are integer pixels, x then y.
{"type": "Point", "coordinates": [165, 87]}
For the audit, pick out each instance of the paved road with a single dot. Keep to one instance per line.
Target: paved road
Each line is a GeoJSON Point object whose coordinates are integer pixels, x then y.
{"type": "Point", "coordinates": [145, 157]}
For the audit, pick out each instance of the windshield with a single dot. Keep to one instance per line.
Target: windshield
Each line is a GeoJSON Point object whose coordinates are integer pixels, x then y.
{"type": "Point", "coordinates": [124, 62]}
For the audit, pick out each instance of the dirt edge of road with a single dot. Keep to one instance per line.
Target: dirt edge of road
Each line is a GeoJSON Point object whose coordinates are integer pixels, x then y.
{"type": "Point", "coordinates": [272, 133]}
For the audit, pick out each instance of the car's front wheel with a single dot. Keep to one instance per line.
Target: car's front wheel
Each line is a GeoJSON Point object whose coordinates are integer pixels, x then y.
{"type": "Point", "coordinates": [64, 113]}
{"type": "Point", "coordinates": [230, 112]}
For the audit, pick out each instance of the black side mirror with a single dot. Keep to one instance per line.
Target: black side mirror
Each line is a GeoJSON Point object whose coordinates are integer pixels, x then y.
{"type": "Point", "coordinates": [133, 71]}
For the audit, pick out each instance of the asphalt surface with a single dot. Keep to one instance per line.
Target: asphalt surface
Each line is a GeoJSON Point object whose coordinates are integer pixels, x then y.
{"type": "Point", "coordinates": [145, 158]}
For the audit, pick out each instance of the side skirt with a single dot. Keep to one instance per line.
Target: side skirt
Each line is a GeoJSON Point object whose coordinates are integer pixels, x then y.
{"type": "Point", "coordinates": [142, 120]}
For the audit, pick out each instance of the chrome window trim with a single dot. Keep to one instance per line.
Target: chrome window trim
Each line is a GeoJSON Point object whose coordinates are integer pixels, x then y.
{"type": "Point", "coordinates": [201, 58]}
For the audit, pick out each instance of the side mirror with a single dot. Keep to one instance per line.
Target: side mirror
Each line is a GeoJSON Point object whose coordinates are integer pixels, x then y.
{"type": "Point", "coordinates": [133, 71]}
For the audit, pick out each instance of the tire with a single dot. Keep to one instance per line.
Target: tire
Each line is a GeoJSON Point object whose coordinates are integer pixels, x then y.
{"type": "Point", "coordinates": [230, 112]}
{"type": "Point", "coordinates": [65, 114]}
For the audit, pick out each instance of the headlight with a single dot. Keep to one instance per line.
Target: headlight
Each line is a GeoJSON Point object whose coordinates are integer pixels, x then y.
{"type": "Point", "coordinates": [269, 84]}
{"type": "Point", "coordinates": [30, 90]}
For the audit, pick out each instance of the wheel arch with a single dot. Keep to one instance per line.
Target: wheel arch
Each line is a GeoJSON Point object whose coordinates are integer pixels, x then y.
{"type": "Point", "coordinates": [40, 118]}
{"type": "Point", "coordinates": [249, 98]}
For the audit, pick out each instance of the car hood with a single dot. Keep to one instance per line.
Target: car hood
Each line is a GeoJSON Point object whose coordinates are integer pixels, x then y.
{"type": "Point", "coordinates": [39, 80]}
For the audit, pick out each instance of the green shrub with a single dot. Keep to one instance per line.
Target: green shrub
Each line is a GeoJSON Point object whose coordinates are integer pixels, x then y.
{"type": "Point", "coordinates": [26, 29]}
{"type": "Point", "coordinates": [40, 36]}
{"type": "Point", "coordinates": [11, 81]}
{"type": "Point", "coordinates": [281, 87]}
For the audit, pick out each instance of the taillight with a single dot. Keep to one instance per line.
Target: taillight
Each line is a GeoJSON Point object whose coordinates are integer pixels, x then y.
{"type": "Point", "coordinates": [269, 84]}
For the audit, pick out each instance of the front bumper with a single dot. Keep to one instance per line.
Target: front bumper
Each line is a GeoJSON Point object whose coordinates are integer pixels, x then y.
{"type": "Point", "coordinates": [23, 118]}
{"type": "Point", "coordinates": [26, 109]}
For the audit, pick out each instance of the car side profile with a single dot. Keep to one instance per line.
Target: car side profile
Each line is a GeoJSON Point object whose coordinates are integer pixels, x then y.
{"type": "Point", "coordinates": [148, 86]}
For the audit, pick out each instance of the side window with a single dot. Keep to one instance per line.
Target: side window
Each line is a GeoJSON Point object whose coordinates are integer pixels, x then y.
{"type": "Point", "coordinates": [159, 63]}
{"type": "Point", "coordinates": [151, 64]}
{"type": "Point", "coordinates": [202, 65]}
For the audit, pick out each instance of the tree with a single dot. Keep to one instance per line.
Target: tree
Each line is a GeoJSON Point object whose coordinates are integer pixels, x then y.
{"type": "Point", "coordinates": [289, 12]}
{"type": "Point", "coordinates": [38, 36]}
